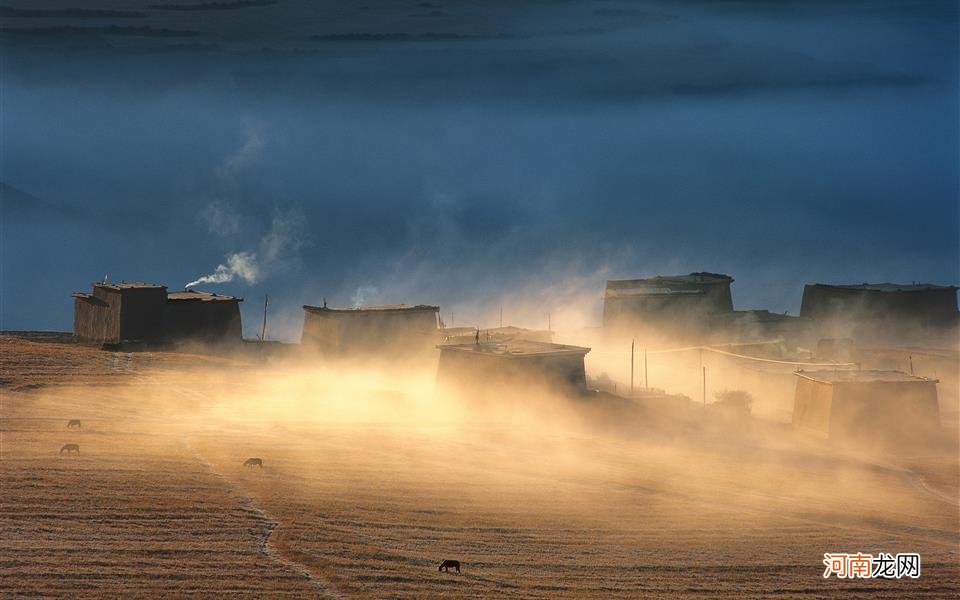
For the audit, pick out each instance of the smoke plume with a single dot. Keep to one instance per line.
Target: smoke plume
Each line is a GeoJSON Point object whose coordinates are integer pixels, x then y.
{"type": "Point", "coordinates": [241, 264]}
{"type": "Point", "coordinates": [362, 295]}
{"type": "Point", "coordinates": [277, 249]}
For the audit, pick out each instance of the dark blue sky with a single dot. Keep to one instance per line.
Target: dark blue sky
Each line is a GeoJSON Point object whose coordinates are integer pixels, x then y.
{"type": "Point", "coordinates": [472, 154]}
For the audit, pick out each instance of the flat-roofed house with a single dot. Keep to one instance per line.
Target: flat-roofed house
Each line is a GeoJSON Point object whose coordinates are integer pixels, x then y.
{"type": "Point", "coordinates": [117, 313]}
{"type": "Point", "coordinates": [120, 312]}
{"type": "Point", "coordinates": [517, 364]}
{"type": "Point", "coordinates": [666, 304]}
{"type": "Point", "coordinates": [466, 335]}
{"type": "Point", "coordinates": [203, 317]}
{"type": "Point", "coordinates": [371, 330]}
{"type": "Point", "coordinates": [924, 304]}
{"type": "Point", "coordinates": [886, 406]}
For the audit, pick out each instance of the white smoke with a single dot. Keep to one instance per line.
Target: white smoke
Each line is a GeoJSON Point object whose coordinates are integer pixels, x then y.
{"type": "Point", "coordinates": [362, 295]}
{"type": "Point", "coordinates": [248, 153]}
{"type": "Point", "coordinates": [220, 219]}
{"type": "Point", "coordinates": [286, 236]}
{"type": "Point", "coordinates": [241, 264]}
{"type": "Point", "coordinates": [277, 247]}
{"type": "Point", "coordinates": [277, 251]}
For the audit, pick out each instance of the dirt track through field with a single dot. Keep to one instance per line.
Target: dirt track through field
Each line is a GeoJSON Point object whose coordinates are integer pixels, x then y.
{"type": "Point", "coordinates": [266, 544]}
{"type": "Point", "coordinates": [130, 515]}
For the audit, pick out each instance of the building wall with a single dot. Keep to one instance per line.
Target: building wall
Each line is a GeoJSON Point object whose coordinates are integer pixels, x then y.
{"type": "Point", "coordinates": [111, 316]}
{"type": "Point", "coordinates": [211, 322]}
{"type": "Point", "coordinates": [97, 318]}
{"type": "Point", "coordinates": [480, 373]}
{"type": "Point", "coordinates": [812, 406]}
{"type": "Point", "coordinates": [943, 365]}
{"type": "Point", "coordinates": [141, 314]}
{"type": "Point", "coordinates": [867, 411]}
{"type": "Point", "coordinates": [361, 332]}
{"type": "Point", "coordinates": [931, 306]}
{"type": "Point", "coordinates": [672, 311]}
{"type": "Point", "coordinates": [878, 411]}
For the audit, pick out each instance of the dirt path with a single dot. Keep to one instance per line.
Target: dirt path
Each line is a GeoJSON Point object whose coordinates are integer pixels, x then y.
{"type": "Point", "coordinates": [269, 526]}
{"type": "Point", "coordinates": [133, 515]}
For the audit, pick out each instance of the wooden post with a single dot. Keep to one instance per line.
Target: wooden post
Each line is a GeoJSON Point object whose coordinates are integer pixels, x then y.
{"type": "Point", "coordinates": [501, 315]}
{"type": "Point", "coordinates": [704, 387]}
{"type": "Point", "coordinates": [704, 369]}
{"type": "Point", "coordinates": [646, 377]}
{"type": "Point", "coordinates": [263, 331]}
{"type": "Point", "coordinates": [632, 344]}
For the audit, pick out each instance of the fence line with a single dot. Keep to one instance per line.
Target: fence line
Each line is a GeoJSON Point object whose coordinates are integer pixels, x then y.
{"type": "Point", "coordinates": [740, 356]}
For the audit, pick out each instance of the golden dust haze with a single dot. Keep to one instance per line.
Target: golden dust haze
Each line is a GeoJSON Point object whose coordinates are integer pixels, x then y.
{"type": "Point", "coordinates": [372, 475]}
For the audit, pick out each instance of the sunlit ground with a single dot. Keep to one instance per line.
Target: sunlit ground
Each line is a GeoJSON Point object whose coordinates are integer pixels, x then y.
{"type": "Point", "coordinates": [371, 478]}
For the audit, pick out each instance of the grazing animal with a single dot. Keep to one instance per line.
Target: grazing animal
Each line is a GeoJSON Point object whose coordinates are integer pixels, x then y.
{"type": "Point", "coordinates": [73, 423]}
{"type": "Point", "coordinates": [449, 564]}
{"type": "Point", "coordinates": [251, 462]}
{"type": "Point", "coordinates": [68, 448]}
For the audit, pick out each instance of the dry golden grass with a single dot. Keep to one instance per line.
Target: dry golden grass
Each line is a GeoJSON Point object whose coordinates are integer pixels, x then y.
{"type": "Point", "coordinates": [367, 484]}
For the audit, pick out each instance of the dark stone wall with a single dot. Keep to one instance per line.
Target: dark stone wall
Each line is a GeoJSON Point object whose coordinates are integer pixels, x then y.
{"type": "Point", "coordinates": [210, 322]}
{"type": "Point", "coordinates": [141, 314]}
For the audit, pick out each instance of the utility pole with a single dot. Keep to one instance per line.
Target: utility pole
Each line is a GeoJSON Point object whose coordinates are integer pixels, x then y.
{"type": "Point", "coordinates": [453, 322]}
{"type": "Point", "coordinates": [911, 364]}
{"type": "Point", "coordinates": [501, 315]}
{"type": "Point", "coordinates": [704, 369]}
{"type": "Point", "coordinates": [632, 344]}
{"type": "Point", "coordinates": [704, 387]}
{"type": "Point", "coordinates": [646, 377]}
{"type": "Point", "coordinates": [263, 331]}
{"type": "Point", "coordinates": [549, 325]}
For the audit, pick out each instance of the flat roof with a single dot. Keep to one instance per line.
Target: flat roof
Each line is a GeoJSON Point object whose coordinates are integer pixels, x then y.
{"type": "Point", "coordinates": [667, 284]}
{"type": "Point", "coordinates": [513, 329]}
{"type": "Point", "coordinates": [763, 315]}
{"type": "Point", "coordinates": [123, 285]}
{"type": "Point", "coordinates": [380, 308]}
{"type": "Point", "coordinates": [851, 376]}
{"type": "Point", "coordinates": [516, 348]}
{"type": "Point", "coordinates": [886, 287]}
{"type": "Point", "coordinates": [459, 330]}
{"type": "Point", "coordinates": [196, 296]}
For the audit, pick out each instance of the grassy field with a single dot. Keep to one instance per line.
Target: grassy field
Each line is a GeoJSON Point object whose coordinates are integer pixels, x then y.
{"type": "Point", "coordinates": [369, 481]}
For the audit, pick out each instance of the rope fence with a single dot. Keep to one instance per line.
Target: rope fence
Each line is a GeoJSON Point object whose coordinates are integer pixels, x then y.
{"type": "Point", "coordinates": [716, 350]}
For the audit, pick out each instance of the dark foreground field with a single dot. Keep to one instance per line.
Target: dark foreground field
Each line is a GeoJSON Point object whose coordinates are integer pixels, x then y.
{"type": "Point", "coordinates": [369, 481]}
